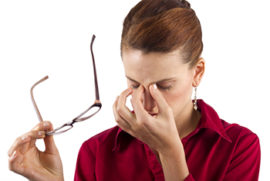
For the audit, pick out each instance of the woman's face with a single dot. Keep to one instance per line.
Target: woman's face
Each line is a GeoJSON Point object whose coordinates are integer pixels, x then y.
{"type": "Point", "coordinates": [173, 78]}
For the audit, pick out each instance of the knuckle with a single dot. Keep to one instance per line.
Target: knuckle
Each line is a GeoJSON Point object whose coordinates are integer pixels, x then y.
{"type": "Point", "coordinates": [118, 121]}
{"type": "Point", "coordinates": [140, 124]}
{"type": "Point", "coordinates": [33, 132]}
{"type": "Point", "coordinates": [119, 109]}
{"type": "Point", "coordinates": [18, 139]}
{"type": "Point", "coordinates": [37, 127]}
{"type": "Point", "coordinates": [116, 115]}
{"type": "Point", "coordinates": [10, 151]}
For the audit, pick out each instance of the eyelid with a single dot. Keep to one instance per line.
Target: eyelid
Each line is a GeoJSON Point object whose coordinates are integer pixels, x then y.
{"type": "Point", "coordinates": [164, 87]}
{"type": "Point", "coordinates": [159, 86]}
{"type": "Point", "coordinates": [172, 79]}
{"type": "Point", "coordinates": [134, 86]}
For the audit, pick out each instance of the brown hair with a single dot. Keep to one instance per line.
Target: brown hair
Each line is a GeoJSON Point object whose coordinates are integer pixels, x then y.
{"type": "Point", "coordinates": [163, 26]}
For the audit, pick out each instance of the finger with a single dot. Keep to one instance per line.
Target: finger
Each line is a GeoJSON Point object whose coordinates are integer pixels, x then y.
{"type": "Point", "coordinates": [22, 142]}
{"type": "Point", "coordinates": [50, 146]}
{"type": "Point", "coordinates": [32, 136]}
{"type": "Point", "coordinates": [162, 104]}
{"type": "Point", "coordinates": [136, 102]}
{"type": "Point", "coordinates": [17, 144]}
{"type": "Point", "coordinates": [122, 109]}
{"type": "Point", "coordinates": [121, 122]}
{"type": "Point", "coordinates": [15, 162]}
{"type": "Point", "coordinates": [41, 126]}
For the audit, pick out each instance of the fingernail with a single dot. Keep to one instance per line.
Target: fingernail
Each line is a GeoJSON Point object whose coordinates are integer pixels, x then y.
{"type": "Point", "coordinates": [45, 124]}
{"type": "Point", "coordinates": [13, 155]}
{"type": "Point", "coordinates": [155, 86]}
{"type": "Point", "coordinates": [24, 137]}
{"type": "Point", "coordinates": [41, 133]}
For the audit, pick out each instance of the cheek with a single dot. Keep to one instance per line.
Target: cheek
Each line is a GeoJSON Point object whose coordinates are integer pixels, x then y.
{"type": "Point", "coordinates": [175, 97]}
{"type": "Point", "coordinates": [178, 98]}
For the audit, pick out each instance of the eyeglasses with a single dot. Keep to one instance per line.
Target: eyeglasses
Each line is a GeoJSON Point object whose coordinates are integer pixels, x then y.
{"type": "Point", "coordinates": [88, 113]}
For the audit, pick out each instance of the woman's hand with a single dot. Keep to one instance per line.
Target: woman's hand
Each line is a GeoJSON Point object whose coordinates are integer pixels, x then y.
{"type": "Point", "coordinates": [25, 158]}
{"type": "Point", "coordinates": [159, 132]}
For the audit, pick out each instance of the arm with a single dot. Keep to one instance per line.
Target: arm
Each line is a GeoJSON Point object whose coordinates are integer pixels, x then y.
{"type": "Point", "coordinates": [150, 130]}
{"type": "Point", "coordinates": [27, 160]}
{"type": "Point", "coordinates": [174, 164]}
{"type": "Point", "coordinates": [245, 163]}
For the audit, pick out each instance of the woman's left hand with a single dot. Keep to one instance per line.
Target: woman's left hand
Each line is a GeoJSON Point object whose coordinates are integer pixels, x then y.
{"type": "Point", "coordinates": [160, 132]}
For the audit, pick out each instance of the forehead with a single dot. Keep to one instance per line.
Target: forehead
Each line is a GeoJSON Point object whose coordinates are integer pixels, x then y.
{"type": "Point", "coordinates": [152, 65]}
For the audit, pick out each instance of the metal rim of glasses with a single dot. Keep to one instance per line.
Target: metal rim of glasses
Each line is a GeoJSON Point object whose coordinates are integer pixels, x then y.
{"type": "Point", "coordinates": [67, 126]}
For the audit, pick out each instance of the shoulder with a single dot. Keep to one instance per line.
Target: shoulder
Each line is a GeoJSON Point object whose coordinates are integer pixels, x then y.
{"type": "Point", "coordinates": [241, 136]}
{"type": "Point", "coordinates": [245, 154]}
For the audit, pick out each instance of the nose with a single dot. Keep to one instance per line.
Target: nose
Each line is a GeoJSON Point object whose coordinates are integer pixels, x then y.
{"type": "Point", "coordinates": [148, 101]}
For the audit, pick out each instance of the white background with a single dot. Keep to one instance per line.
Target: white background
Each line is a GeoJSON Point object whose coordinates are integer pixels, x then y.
{"type": "Point", "coordinates": [52, 37]}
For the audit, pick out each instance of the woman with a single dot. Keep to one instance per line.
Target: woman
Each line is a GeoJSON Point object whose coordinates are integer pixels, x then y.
{"type": "Point", "coordinates": [167, 136]}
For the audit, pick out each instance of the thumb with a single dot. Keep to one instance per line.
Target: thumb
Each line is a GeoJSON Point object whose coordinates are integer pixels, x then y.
{"type": "Point", "coordinates": [160, 100]}
{"type": "Point", "coordinates": [50, 146]}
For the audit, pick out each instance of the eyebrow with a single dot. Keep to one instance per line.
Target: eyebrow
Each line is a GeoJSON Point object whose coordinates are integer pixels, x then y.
{"type": "Point", "coordinates": [167, 79]}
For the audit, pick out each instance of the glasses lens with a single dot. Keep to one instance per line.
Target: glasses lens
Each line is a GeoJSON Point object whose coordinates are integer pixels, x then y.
{"type": "Point", "coordinates": [89, 113]}
{"type": "Point", "coordinates": [60, 130]}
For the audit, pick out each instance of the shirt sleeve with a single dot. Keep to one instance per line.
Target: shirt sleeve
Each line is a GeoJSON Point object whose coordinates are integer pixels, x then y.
{"type": "Point", "coordinates": [245, 163]}
{"type": "Point", "coordinates": [85, 166]}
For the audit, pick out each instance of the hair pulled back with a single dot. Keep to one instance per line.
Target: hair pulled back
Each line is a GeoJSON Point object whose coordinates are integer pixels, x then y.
{"type": "Point", "coordinates": [163, 26]}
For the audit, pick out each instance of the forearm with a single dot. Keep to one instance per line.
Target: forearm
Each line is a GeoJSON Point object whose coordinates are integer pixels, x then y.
{"type": "Point", "coordinates": [173, 162]}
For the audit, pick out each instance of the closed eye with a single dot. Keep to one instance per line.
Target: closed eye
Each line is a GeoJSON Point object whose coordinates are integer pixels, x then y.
{"type": "Point", "coordinates": [159, 86]}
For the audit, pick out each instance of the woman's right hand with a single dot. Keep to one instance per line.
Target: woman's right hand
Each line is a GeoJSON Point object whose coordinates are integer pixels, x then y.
{"type": "Point", "coordinates": [27, 160]}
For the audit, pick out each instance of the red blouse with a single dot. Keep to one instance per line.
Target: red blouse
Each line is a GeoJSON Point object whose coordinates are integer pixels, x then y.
{"type": "Point", "coordinates": [215, 150]}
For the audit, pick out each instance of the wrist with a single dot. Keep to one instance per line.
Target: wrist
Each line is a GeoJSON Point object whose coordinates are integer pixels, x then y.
{"type": "Point", "coordinates": [175, 147]}
{"type": "Point", "coordinates": [173, 161]}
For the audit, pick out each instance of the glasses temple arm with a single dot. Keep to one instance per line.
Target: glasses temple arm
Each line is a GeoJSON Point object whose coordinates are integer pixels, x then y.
{"type": "Point", "coordinates": [94, 67]}
{"type": "Point", "coordinates": [33, 100]}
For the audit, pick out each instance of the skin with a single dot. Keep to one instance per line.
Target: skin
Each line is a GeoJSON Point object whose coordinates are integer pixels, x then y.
{"type": "Point", "coordinates": [166, 107]}
{"type": "Point", "coordinates": [25, 158]}
{"type": "Point", "coordinates": [161, 88]}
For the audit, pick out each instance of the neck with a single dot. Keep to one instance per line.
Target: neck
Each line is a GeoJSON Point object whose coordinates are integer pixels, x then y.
{"type": "Point", "coordinates": [188, 120]}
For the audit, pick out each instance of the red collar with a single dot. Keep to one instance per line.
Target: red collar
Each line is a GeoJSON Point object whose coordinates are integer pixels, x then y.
{"type": "Point", "coordinates": [209, 120]}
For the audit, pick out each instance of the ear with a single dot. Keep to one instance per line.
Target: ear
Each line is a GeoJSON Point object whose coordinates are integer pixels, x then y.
{"type": "Point", "coordinates": [198, 72]}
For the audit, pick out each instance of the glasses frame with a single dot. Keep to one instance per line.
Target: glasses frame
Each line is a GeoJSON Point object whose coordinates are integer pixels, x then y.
{"type": "Point", "coordinates": [67, 126]}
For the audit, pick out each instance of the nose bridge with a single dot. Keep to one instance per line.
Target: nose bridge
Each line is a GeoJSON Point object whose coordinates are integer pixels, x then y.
{"type": "Point", "coordinates": [148, 101]}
